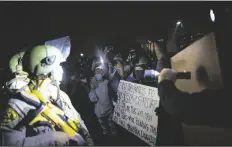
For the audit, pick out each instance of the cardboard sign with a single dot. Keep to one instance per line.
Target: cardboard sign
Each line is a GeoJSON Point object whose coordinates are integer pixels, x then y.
{"type": "Point", "coordinates": [202, 60]}
{"type": "Point", "coordinates": [135, 110]}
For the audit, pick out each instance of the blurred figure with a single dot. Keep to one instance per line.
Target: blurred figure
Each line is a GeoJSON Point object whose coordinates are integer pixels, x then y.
{"type": "Point", "coordinates": [169, 130]}
{"type": "Point", "coordinates": [197, 108]}
{"type": "Point", "coordinates": [139, 69]}
{"type": "Point", "coordinates": [99, 94]}
{"type": "Point", "coordinates": [137, 72]}
{"type": "Point", "coordinates": [82, 75]}
{"type": "Point", "coordinates": [129, 64]}
{"type": "Point", "coordinates": [132, 57]}
{"type": "Point", "coordinates": [108, 60]}
{"type": "Point", "coordinates": [118, 65]}
{"type": "Point", "coordinates": [80, 91]}
{"type": "Point", "coordinates": [108, 51]}
{"type": "Point", "coordinates": [116, 75]}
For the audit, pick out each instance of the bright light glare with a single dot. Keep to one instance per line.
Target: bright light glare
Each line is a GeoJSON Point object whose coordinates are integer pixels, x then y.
{"type": "Point", "coordinates": [154, 72]}
{"type": "Point", "coordinates": [58, 74]}
{"type": "Point", "coordinates": [161, 40]}
{"type": "Point", "coordinates": [212, 16]}
{"type": "Point", "coordinates": [178, 23]}
{"type": "Point", "coordinates": [102, 61]}
{"type": "Point", "coordinates": [81, 55]}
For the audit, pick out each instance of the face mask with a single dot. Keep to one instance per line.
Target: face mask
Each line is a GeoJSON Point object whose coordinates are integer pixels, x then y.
{"type": "Point", "coordinates": [139, 74]}
{"type": "Point", "coordinates": [98, 77]}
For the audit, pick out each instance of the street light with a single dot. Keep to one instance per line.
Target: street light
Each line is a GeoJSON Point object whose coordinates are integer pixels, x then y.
{"type": "Point", "coordinates": [81, 54]}
{"type": "Point", "coordinates": [212, 16]}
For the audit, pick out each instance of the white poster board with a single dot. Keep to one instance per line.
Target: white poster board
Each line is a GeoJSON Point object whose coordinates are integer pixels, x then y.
{"type": "Point", "coordinates": [135, 110]}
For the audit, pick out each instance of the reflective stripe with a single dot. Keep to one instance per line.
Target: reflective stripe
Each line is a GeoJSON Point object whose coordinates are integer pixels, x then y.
{"type": "Point", "coordinates": [30, 99]}
{"type": "Point", "coordinates": [20, 106]}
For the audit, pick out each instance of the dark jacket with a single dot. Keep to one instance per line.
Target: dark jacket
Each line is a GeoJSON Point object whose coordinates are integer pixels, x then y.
{"type": "Point", "coordinates": [198, 108]}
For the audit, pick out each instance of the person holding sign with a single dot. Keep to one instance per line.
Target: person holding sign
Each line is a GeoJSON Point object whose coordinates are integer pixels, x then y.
{"type": "Point", "coordinates": [200, 107]}
{"type": "Point", "coordinates": [99, 94]}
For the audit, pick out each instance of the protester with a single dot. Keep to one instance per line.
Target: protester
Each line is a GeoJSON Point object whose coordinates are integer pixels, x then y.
{"type": "Point", "coordinates": [99, 94]}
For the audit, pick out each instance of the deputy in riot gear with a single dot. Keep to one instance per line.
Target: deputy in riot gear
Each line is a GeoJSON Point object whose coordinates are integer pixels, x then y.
{"type": "Point", "coordinates": [64, 45]}
{"type": "Point", "coordinates": [39, 64]}
{"type": "Point", "coordinates": [16, 72]}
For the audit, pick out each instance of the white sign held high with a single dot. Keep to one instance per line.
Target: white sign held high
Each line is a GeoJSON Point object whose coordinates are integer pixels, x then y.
{"type": "Point", "coordinates": [135, 110]}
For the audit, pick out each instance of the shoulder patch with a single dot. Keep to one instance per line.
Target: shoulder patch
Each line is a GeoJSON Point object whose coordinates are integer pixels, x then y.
{"type": "Point", "coordinates": [9, 116]}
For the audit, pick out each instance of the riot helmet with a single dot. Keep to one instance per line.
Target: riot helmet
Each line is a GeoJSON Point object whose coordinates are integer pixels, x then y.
{"type": "Point", "coordinates": [42, 60]}
{"type": "Point", "coordinates": [63, 44]}
{"type": "Point", "coordinates": [15, 64]}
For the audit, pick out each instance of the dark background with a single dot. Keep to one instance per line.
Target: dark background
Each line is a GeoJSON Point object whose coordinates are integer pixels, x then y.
{"type": "Point", "coordinates": [92, 23]}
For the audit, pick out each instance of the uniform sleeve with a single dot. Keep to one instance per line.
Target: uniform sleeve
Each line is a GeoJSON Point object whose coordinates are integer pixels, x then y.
{"type": "Point", "coordinates": [75, 111]}
{"type": "Point", "coordinates": [81, 120]}
{"type": "Point", "coordinates": [10, 136]}
{"type": "Point", "coordinates": [84, 131]}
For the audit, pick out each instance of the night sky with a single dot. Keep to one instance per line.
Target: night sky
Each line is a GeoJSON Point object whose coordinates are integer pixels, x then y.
{"type": "Point", "coordinates": [91, 23]}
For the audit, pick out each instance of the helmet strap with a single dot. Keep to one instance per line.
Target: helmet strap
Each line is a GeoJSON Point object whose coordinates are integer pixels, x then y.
{"type": "Point", "coordinates": [58, 100]}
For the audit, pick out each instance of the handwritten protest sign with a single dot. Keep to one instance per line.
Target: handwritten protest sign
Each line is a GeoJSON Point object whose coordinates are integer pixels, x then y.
{"type": "Point", "coordinates": [135, 110]}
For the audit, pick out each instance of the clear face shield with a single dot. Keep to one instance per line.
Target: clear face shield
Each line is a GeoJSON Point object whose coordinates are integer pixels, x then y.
{"type": "Point", "coordinates": [58, 74]}
{"type": "Point", "coordinates": [63, 44]}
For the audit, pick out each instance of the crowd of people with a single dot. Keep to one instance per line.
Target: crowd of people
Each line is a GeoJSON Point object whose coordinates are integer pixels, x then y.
{"type": "Point", "coordinates": [44, 104]}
